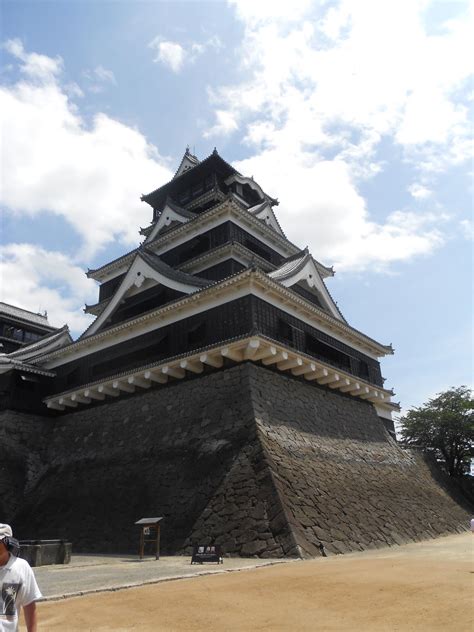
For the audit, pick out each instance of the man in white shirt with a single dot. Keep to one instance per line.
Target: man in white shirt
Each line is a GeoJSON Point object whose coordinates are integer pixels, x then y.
{"type": "Point", "coordinates": [18, 587]}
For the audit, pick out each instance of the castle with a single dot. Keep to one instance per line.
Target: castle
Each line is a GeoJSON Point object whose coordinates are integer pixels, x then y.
{"type": "Point", "coordinates": [219, 386]}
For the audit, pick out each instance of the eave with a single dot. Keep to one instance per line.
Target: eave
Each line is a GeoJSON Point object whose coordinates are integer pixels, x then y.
{"type": "Point", "coordinates": [31, 325]}
{"type": "Point", "coordinates": [229, 250]}
{"type": "Point", "coordinates": [25, 317]}
{"type": "Point", "coordinates": [228, 206]}
{"type": "Point", "coordinates": [96, 308]}
{"type": "Point", "coordinates": [288, 275]}
{"type": "Point", "coordinates": [154, 196]}
{"type": "Point", "coordinates": [24, 367]}
{"type": "Point", "coordinates": [248, 281]}
{"type": "Point", "coordinates": [58, 339]}
{"type": "Point", "coordinates": [255, 348]}
{"type": "Point", "coordinates": [147, 265]}
{"type": "Point", "coordinates": [244, 180]}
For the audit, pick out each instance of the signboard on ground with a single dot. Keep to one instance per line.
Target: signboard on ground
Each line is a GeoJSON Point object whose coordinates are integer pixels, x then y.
{"type": "Point", "coordinates": [207, 553]}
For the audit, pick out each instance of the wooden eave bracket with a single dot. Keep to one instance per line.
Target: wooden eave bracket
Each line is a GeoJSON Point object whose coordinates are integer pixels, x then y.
{"type": "Point", "coordinates": [253, 348]}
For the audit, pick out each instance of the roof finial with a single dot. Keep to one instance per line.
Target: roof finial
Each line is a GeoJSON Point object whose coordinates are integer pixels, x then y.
{"type": "Point", "coordinates": [215, 150]}
{"type": "Point", "coordinates": [187, 149]}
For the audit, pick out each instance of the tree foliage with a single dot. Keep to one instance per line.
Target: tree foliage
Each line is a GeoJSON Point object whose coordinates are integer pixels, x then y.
{"type": "Point", "coordinates": [444, 426]}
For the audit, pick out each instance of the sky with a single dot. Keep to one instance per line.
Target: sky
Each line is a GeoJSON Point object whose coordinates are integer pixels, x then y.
{"type": "Point", "coordinates": [355, 114]}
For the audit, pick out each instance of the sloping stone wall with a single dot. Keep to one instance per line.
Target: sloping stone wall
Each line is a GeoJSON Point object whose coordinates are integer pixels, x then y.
{"type": "Point", "coordinates": [248, 458]}
{"type": "Point", "coordinates": [344, 482]}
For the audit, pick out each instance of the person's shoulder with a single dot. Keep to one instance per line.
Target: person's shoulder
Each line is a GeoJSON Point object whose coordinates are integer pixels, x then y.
{"type": "Point", "coordinates": [21, 565]}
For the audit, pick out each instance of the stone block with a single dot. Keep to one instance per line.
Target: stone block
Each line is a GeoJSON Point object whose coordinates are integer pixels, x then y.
{"type": "Point", "coordinates": [277, 460]}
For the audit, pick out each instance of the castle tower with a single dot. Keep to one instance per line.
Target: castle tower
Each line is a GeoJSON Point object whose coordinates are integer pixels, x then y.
{"type": "Point", "coordinates": [221, 387]}
{"type": "Point", "coordinates": [214, 282]}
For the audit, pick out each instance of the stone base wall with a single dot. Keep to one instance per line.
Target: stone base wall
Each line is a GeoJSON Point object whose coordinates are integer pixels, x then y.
{"type": "Point", "coordinates": [259, 462]}
{"type": "Point", "coordinates": [343, 479]}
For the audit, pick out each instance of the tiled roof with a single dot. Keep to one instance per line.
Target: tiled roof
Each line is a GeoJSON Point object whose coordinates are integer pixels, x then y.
{"type": "Point", "coordinates": [6, 364]}
{"type": "Point", "coordinates": [92, 271]}
{"type": "Point", "coordinates": [171, 273]}
{"type": "Point", "coordinates": [179, 209]}
{"type": "Point", "coordinates": [214, 154]}
{"type": "Point", "coordinates": [39, 346]}
{"type": "Point", "coordinates": [194, 160]}
{"type": "Point", "coordinates": [25, 315]}
{"type": "Point", "coordinates": [291, 266]}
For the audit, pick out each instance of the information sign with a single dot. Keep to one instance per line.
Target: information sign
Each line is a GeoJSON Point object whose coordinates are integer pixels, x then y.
{"type": "Point", "coordinates": [207, 553]}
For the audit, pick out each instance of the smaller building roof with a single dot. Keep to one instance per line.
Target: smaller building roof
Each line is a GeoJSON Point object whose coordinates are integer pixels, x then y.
{"type": "Point", "coordinates": [53, 340]}
{"type": "Point", "coordinates": [20, 358]}
{"type": "Point", "coordinates": [25, 315]}
{"type": "Point", "coordinates": [149, 520]}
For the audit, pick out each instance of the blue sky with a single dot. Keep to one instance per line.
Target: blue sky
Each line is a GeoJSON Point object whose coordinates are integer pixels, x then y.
{"type": "Point", "coordinates": [356, 115]}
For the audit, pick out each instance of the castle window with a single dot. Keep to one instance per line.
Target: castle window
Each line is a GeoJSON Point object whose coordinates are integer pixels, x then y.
{"type": "Point", "coordinates": [31, 336]}
{"type": "Point", "coordinates": [197, 335]}
{"type": "Point", "coordinates": [197, 189]}
{"type": "Point", "coordinates": [13, 332]}
{"type": "Point", "coordinates": [195, 247]}
{"type": "Point", "coordinates": [257, 249]}
{"type": "Point", "coordinates": [326, 352]}
{"type": "Point", "coordinates": [155, 352]}
{"type": "Point", "coordinates": [184, 196]}
{"type": "Point", "coordinates": [285, 331]}
{"type": "Point", "coordinates": [73, 376]}
{"type": "Point", "coordinates": [363, 371]}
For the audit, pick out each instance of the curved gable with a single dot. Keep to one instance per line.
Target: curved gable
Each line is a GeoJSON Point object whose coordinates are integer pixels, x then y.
{"type": "Point", "coordinates": [145, 268]}
{"type": "Point", "coordinates": [264, 212]}
{"type": "Point", "coordinates": [170, 215]}
{"type": "Point", "coordinates": [304, 272]}
{"type": "Point", "coordinates": [249, 181]}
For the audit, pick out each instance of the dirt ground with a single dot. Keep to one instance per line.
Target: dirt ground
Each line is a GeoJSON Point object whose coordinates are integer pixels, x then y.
{"type": "Point", "coordinates": [425, 586]}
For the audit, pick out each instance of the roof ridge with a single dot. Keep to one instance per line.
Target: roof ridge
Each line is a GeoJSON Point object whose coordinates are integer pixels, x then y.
{"type": "Point", "coordinates": [174, 179]}
{"type": "Point", "coordinates": [25, 314]}
{"type": "Point", "coordinates": [178, 209]}
{"type": "Point", "coordinates": [297, 255]}
{"type": "Point", "coordinates": [161, 266]}
{"type": "Point", "coordinates": [191, 157]}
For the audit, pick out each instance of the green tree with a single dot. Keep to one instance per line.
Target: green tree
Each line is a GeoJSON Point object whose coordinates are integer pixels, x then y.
{"type": "Point", "coordinates": [443, 426]}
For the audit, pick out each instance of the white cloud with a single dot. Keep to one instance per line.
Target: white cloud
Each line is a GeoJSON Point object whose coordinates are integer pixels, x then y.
{"type": "Point", "coordinates": [35, 66]}
{"type": "Point", "coordinates": [38, 280]}
{"type": "Point", "coordinates": [170, 54]}
{"type": "Point", "coordinates": [419, 191]}
{"type": "Point", "coordinates": [225, 124]}
{"type": "Point", "coordinates": [383, 75]}
{"type": "Point", "coordinates": [338, 80]}
{"type": "Point", "coordinates": [175, 55]}
{"type": "Point", "coordinates": [320, 207]}
{"type": "Point", "coordinates": [277, 10]}
{"type": "Point", "coordinates": [99, 77]}
{"type": "Point", "coordinates": [104, 74]}
{"type": "Point", "coordinates": [91, 175]}
{"type": "Point", "coordinates": [467, 229]}
{"type": "Point", "coordinates": [73, 90]}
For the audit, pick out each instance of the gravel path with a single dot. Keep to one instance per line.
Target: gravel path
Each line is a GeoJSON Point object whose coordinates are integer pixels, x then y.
{"type": "Point", "coordinates": [91, 573]}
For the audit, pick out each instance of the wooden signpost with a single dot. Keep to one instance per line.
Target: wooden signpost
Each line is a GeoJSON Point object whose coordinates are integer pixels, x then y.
{"type": "Point", "coordinates": [149, 532]}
